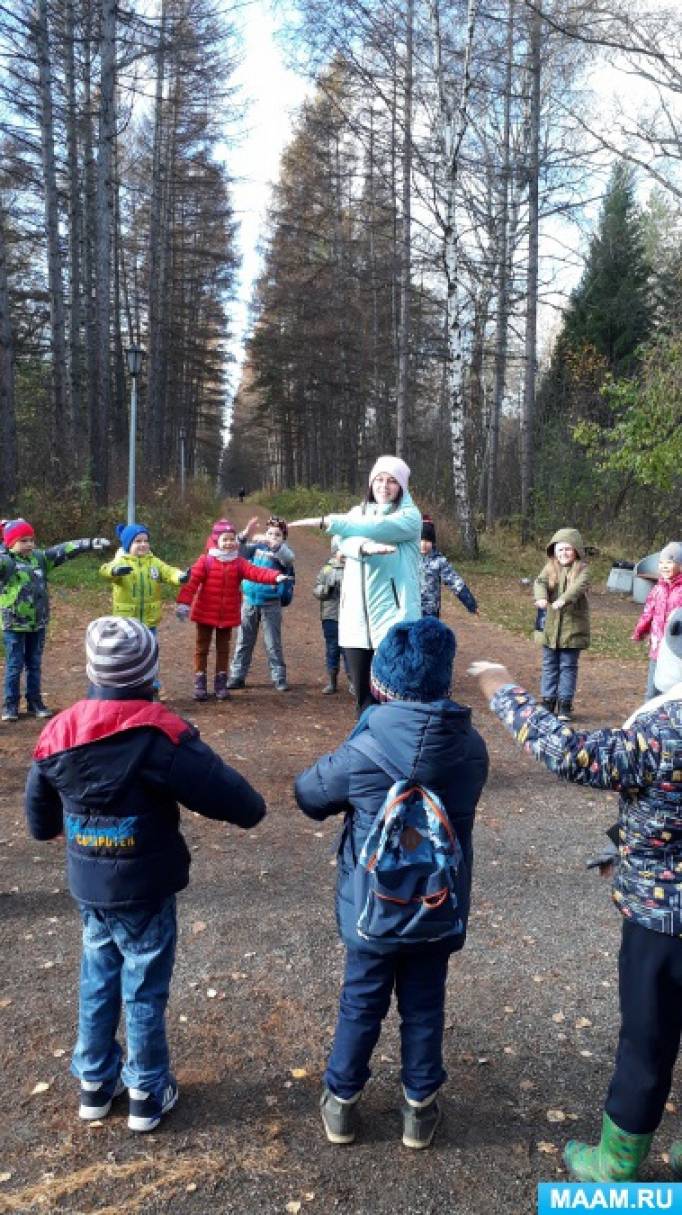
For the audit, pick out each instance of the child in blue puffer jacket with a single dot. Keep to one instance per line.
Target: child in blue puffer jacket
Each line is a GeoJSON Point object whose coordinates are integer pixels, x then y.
{"type": "Point", "coordinates": [417, 733]}
{"type": "Point", "coordinates": [109, 773]}
{"type": "Point", "coordinates": [262, 603]}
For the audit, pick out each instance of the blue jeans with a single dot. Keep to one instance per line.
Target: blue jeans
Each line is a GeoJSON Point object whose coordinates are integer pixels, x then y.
{"type": "Point", "coordinates": [270, 615]}
{"type": "Point", "coordinates": [333, 652]}
{"type": "Point", "coordinates": [127, 958]}
{"type": "Point", "coordinates": [559, 673]}
{"type": "Point", "coordinates": [23, 650]}
{"type": "Point", "coordinates": [418, 977]}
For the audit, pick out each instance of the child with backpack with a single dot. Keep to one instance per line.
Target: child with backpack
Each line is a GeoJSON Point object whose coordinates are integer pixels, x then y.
{"type": "Point", "coordinates": [642, 760]}
{"type": "Point", "coordinates": [109, 773]}
{"type": "Point", "coordinates": [403, 869]}
{"type": "Point", "coordinates": [263, 604]}
{"type": "Point", "coordinates": [212, 599]}
{"type": "Point", "coordinates": [25, 609]}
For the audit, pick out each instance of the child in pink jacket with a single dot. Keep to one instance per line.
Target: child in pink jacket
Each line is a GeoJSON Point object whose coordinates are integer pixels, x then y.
{"type": "Point", "coordinates": [664, 597]}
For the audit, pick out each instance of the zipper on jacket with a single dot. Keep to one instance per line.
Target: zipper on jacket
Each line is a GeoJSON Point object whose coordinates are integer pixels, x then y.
{"type": "Point", "coordinates": [395, 593]}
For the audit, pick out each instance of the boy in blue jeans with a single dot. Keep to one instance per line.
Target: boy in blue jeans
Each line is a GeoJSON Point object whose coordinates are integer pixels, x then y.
{"type": "Point", "coordinates": [108, 773]}
{"type": "Point", "coordinates": [417, 733]}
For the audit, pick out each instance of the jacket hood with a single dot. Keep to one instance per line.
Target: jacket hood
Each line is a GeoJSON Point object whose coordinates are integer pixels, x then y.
{"type": "Point", "coordinates": [427, 741]}
{"type": "Point", "coordinates": [567, 535]}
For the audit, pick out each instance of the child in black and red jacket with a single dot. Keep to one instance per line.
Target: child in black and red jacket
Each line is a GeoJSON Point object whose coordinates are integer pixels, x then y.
{"type": "Point", "coordinates": [109, 772]}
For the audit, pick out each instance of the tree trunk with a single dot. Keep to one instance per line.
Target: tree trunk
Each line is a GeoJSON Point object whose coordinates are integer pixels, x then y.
{"type": "Point", "coordinates": [501, 327]}
{"type": "Point", "coordinates": [76, 369]}
{"type": "Point", "coordinates": [152, 422]}
{"type": "Point", "coordinates": [61, 434]}
{"type": "Point", "coordinates": [105, 160]}
{"type": "Point", "coordinates": [89, 238]}
{"type": "Point", "coordinates": [402, 398]}
{"type": "Point", "coordinates": [8, 421]}
{"type": "Point", "coordinates": [530, 353]}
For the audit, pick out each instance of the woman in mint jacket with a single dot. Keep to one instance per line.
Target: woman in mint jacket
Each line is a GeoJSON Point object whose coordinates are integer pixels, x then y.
{"type": "Point", "coordinates": [380, 541]}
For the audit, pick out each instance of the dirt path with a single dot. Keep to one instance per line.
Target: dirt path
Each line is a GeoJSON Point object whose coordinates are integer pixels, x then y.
{"type": "Point", "coordinates": [532, 1003]}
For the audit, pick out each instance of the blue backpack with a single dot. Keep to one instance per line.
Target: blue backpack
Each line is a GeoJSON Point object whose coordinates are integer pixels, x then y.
{"type": "Point", "coordinates": [406, 874]}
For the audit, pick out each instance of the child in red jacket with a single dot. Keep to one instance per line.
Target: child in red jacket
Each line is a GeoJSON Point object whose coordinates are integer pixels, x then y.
{"type": "Point", "coordinates": [661, 601]}
{"type": "Point", "coordinates": [214, 593]}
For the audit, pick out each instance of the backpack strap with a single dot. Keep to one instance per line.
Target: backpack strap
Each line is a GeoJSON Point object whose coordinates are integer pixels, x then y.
{"type": "Point", "coordinates": [369, 746]}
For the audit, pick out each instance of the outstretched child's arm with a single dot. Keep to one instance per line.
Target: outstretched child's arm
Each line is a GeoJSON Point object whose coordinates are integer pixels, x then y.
{"type": "Point", "coordinates": [204, 783]}
{"type": "Point", "coordinates": [323, 789]}
{"type": "Point", "coordinates": [456, 583]}
{"type": "Point", "coordinates": [197, 575]}
{"type": "Point", "coordinates": [43, 806]}
{"type": "Point", "coordinates": [603, 759]}
{"type": "Point", "coordinates": [170, 573]}
{"type": "Point", "coordinates": [59, 553]}
{"type": "Point", "coordinates": [643, 625]}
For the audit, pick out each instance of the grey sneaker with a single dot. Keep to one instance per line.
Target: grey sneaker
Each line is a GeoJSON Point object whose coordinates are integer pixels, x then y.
{"type": "Point", "coordinates": [282, 685]}
{"type": "Point", "coordinates": [39, 709]}
{"type": "Point", "coordinates": [10, 713]}
{"type": "Point", "coordinates": [96, 1099]}
{"type": "Point", "coordinates": [146, 1110]}
{"type": "Point", "coordinates": [234, 683]}
{"type": "Point", "coordinates": [338, 1116]}
{"type": "Point", "coordinates": [420, 1121]}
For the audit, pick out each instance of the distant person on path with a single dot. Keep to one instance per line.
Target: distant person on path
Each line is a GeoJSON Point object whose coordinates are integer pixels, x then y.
{"type": "Point", "coordinates": [664, 597]}
{"type": "Point", "coordinates": [25, 609]}
{"type": "Point", "coordinates": [138, 575]}
{"type": "Point", "coordinates": [380, 542]}
{"type": "Point", "coordinates": [263, 604]}
{"type": "Point", "coordinates": [108, 773]}
{"type": "Point", "coordinates": [213, 600]}
{"type": "Point", "coordinates": [560, 591]}
{"type": "Point", "coordinates": [435, 570]}
{"type": "Point", "coordinates": [419, 734]}
{"type": "Point", "coordinates": [242, 493]}
{"type": "Point", "coordinates": [643, 762]}
{"type": "Point", "coordinates": [327, 590]}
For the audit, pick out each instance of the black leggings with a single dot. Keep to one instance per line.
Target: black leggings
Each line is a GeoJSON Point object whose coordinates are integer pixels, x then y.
{"type": "Point", "coordinates": [359, 665]}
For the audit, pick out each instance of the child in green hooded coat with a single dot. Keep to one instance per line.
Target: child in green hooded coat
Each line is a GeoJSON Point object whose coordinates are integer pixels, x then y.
{"type": "Point", "coordinates": [560, 591]}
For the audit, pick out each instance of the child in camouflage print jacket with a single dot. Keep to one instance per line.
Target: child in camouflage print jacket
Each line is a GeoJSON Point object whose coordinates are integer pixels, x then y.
{"type": "Point", "coordinates": [435, 569]}
{"type": "Point", "coordinates": [642, 761]}
{"type": "Point", "coordinates": [24, 608]}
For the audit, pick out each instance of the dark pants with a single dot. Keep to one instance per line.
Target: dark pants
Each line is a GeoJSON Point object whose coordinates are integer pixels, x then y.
{"type": "Point", "coordinates": [559, 673]}
{"type": "Point", "coordinates": [418, 977]}
{"type": "Point", "coordinates": [23, 650]}
{"type": "Point", "coordinates": [358, 666]}
{"type": "Point", "coordinates": [203, 645]}
{"type": "Point", "coordinates": [333, 652]}
{"type": "Point", "coordinates": [650, 983]}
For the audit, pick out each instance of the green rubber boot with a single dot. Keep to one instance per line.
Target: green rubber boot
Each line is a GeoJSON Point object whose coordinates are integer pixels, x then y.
{"type": "Point", "coordinates": [676, 1159]}
{"type": "Point", "coordinates": [616, 1157]}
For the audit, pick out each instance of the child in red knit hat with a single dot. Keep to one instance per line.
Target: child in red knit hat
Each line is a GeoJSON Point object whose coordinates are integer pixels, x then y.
{"type": "Point", "coordinates": [212, 599]}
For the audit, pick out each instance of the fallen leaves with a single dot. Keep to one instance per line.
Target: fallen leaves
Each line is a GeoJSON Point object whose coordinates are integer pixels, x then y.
{"type": "Point", "coordinates": [556, 1116]}
{"type": "Point", "coordinates": [548, 1148]}
{"type": "Point", "coordinates": [41, 1087]}
{"type": "Point", "coordinates": [299, 1073]}
{"type": "Point", "coordinates": [197, 927]}
{"type": "Point", "coordinates": [583, 1023]}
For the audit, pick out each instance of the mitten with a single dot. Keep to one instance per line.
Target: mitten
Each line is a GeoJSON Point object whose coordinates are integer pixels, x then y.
{"type": "Point", "coordinates": [99, 543]}
{"type": "Point", "coordinates": [182, 612]}
{"type": "Point", "coordinates": [184, 577]}
{"type": "Point", "coordinates": [119, 571]}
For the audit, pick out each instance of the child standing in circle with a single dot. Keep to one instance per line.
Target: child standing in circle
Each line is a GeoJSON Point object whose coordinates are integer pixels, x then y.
{"type": "Point", "coordinates": [212, 599]}
{"type": "Point", "coordinates": [436, 569]}
{"type": "Point", "coordinates": [263, 604]}
{"type": "Point", "coordinates": [662, 599]}
{"type": "Point", "coordinates": [328, 590]}
{"type": "Point", "coordinates": [561, 589]}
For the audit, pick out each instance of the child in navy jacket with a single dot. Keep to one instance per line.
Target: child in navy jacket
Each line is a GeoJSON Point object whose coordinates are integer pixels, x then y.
{"type": "Point", "coordinates": [108, 773]}
{"type": "Point", "coordinates": [420, 735]}
{"type": "Point", "coordinates": [263, 604]}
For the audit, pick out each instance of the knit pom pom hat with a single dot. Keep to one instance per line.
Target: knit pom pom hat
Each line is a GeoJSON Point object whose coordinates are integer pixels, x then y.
{"type": "Point", "coordinates": [394, 467]}
{"type": "Point", "coordinates": [220, 527]}
{"type": "Point", "coordinates": [414, 661]}
{"type": "Point", "coordinates": [428, 529]}
{"type": "Point", "coordinates": [127, 532]}
{"type": "Point", "coordinates": [121, 652]}
{"type": "Point", "coordinates": [16, 529]}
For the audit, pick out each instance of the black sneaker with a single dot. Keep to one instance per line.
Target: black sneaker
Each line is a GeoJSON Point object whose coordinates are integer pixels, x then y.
{"type": "Point", "coordinates": [234, 684]}
{"type": "Point", "coordinates": [10, 713]}
{"type": "Point", "coordinates": [96, 1099]}
{"type": "Point", "coordinates": [39, 710]}
{"type": "Point", "coordinates": [146, 1110]}
{"type": "Point", "coordinates": [419, 1124]}
{"type": "Point", "coordinates": [338, 1117]}
{"type": "Point", "coordinates": [281, 686]}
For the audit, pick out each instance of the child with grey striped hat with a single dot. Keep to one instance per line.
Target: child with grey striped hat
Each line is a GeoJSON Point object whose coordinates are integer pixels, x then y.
{"type": "Point", "coordinates": [109, 773]}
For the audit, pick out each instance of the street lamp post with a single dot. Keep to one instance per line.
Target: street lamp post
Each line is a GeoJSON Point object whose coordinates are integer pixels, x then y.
{"type": "Point", "coordinates": [182, 433]}
{"type": "Point", "coordinates": [134, 360]}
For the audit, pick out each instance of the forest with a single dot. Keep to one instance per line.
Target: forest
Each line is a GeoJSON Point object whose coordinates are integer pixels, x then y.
{"type": "Point", "coordinates": [472, 256]}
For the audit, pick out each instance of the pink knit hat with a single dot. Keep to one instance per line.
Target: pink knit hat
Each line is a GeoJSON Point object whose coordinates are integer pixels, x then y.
{"type": "Point", "coordinates": [395, 467]}
{"type": "Point", "coordinates": [220, 526]}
